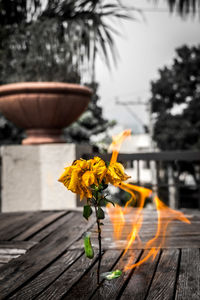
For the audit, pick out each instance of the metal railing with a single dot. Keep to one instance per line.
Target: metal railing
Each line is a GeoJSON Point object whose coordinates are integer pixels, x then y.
{"type": "Point", "coordinates": [175, 175]}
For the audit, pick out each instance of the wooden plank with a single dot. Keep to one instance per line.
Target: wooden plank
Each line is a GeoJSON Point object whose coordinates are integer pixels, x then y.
{"type": "Point", "coordinates": [183, 242]}
{"type": "Point", "coordinates": [39, 226]}
{"type": "Point", "coordinates": [45, 232]}
{"type": "Point", "coordinates": [140, 280]}
{"type": "Point", "coordinates": [188, 285]}
{"type": "Point", "coordinates": [14, 245]}
{"type": "Point", "coordinates": [17, 228]}
{"type": "Point", "coordinates": [75, 273]}
{"type": "Point", "coordinates": [36, 286]}
{"type": "Point", "coordinates": [162, 287]}
{"type": "Point", "coordinates": [12, 251]}
{"type": "Point", "coordinates": [171, 243]}
{"type": "Point", "coordinates": [6, 257]}
{"type": "Point", "coordinates": [149, 228]}
{"type": "Point", "coordinates": [6, 219]}
{"type": "Point", "coordinates": [22, 269]}
{"type": "Point", "coordinates": [7, 254]}
{"type": "Point", "coordinates": [10, 214]}
{"type": "Point", "coordinates": [149, 233]}
{"type": "Point", "coordinates": [111, 289]}
{"type": "Point", "coordinates": [11, 221]}
{"type": "Point", "coordinates": [85, 287]}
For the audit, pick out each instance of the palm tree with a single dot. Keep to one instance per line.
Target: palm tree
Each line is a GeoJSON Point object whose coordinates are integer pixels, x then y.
{"type": "Point", "coordinates": [59, 39]}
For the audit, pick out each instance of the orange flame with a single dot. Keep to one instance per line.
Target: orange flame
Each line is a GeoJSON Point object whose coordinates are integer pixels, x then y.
{"type": "Point", "coordinates": [116, 144]}
{"type": "Point", "coordinates": [117, 215]}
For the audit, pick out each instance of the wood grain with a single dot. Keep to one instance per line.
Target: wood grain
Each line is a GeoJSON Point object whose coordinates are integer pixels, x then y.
{"type": "Point", "coordinates": [111, 289]}
{"type": "Point", "coordinates": [63, 284]}
{"type": "Point", "coordinates": [16, 228]}
{"type": "Point", "coordinates": [5, 258]}
{"type": "Point", "coordinates": [188, 285]}
{"type": "Point", "coordinates": [44, 222]}
{"type": "Point", "coordinates": [9, 246]}
{"type": "Point", "coordinates": [45, 232]}
{"type": "Point", "coordinates": [36, 286]}
{"type": "Point", "coordinates": [18, 271]}
{"type": "Point", "coordinates": [87, 286]}
{"type": "Point", "coordinates": [163, 284]}
{"type": "Point", "coordinates": [13, 222]}
{"type": "Point", "coordinates": [140, 280]}
{"type": "Point", "coordinates": [51, 263]}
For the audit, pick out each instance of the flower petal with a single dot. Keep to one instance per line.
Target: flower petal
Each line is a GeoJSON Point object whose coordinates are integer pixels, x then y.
{"type": "Point", "coordinates": [88, 178]}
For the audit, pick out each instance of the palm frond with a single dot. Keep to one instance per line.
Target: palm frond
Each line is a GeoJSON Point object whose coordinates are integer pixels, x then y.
{"type": "Point", "coordinates": [93, 15]}
{"type": "Point", "coordinates": [184, 7]}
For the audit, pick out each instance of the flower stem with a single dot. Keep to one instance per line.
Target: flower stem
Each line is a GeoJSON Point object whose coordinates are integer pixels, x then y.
{"type": "Point", "coordinates": [99, 239]}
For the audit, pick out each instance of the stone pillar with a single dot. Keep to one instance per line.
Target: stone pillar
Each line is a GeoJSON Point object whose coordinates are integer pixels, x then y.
{"type": "Point", "coordinates": [30, 176]}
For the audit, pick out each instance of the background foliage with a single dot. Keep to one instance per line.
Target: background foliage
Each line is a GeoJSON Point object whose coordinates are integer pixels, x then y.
{"type": "Point", "coordinates": [59, 41]}
{"type": "Point", "coordinates": [176, 102]}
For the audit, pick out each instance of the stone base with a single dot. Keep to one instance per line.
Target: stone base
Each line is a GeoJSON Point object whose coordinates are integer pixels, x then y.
{"type": "Point", "coordinates": [43, 136]}
{"type": "Point", "coordinates": [30, 176]}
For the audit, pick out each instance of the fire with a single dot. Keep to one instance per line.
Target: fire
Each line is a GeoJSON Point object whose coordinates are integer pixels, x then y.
{"type": "Point", "coordinates": [117, 218]}
{"type": "Point", "coordinates": [116, 144]}
{"type": "Point", "coordinates": [118, 215]}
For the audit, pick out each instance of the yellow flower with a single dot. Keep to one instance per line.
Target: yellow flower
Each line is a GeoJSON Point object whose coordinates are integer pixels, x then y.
{"type": "Point", "coordinates": [99, 168]}
{"type": "Point", "coordinates": [89, 178]}
{"type": "Point", "coordinates": [115, 173]}
{"type": "Point", "coordinates": [72, 178]}
{"type": "Point", "coordinates": [79, 177]}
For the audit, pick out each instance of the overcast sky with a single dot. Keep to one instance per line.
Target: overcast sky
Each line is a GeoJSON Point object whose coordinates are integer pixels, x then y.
{"type": "Point", "coordinates": [145, 47]}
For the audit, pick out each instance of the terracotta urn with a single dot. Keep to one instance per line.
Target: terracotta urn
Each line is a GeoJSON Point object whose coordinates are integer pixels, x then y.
{"type": "Point", "coordinates": [43, 109]}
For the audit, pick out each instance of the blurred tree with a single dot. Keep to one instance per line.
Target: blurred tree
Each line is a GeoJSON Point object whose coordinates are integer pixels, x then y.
{"type": "Point", "coordinates": [176, 102]}
{"type": "Point", "coordinates": [90, 123]}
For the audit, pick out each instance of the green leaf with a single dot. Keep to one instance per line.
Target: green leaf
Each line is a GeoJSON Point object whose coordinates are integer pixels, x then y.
{"type": "Point", "coordinates": [89, 252]}
{"type": "Point", "coordinates": [102, 202]}
{"type": "Point", "coordinates": [99, 196]}
{"type": "Point", "coordinates": [93, 186]}
{"type": "Point", "coordinates": [100, 213]}
{"type": "Point", "coordinates": [87, 211]}
{"type": "Point", "coordinates": [112, 275]}
{"type": "Point", "coordinates": [100, 186]}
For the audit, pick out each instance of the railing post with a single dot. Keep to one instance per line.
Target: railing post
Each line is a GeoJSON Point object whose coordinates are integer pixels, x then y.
{"type": "Point", "coordinates": [153, 167]}
{"type": "Point", "coordinates": [0, 178]}
{"type": "Point", "coordinates": [138, 172]}
{"type": "Point", "coordinates": [173, 203]}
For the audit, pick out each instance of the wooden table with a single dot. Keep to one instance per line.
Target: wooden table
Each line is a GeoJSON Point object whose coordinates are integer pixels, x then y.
{"type": "Point", "coordinates": [42, 257]}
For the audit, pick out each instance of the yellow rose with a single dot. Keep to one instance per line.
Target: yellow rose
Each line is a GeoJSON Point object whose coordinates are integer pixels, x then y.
{"type": "Point", "coordinates": [115, 173]}
{"type": "Point", "coordinates": [82, 174]}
